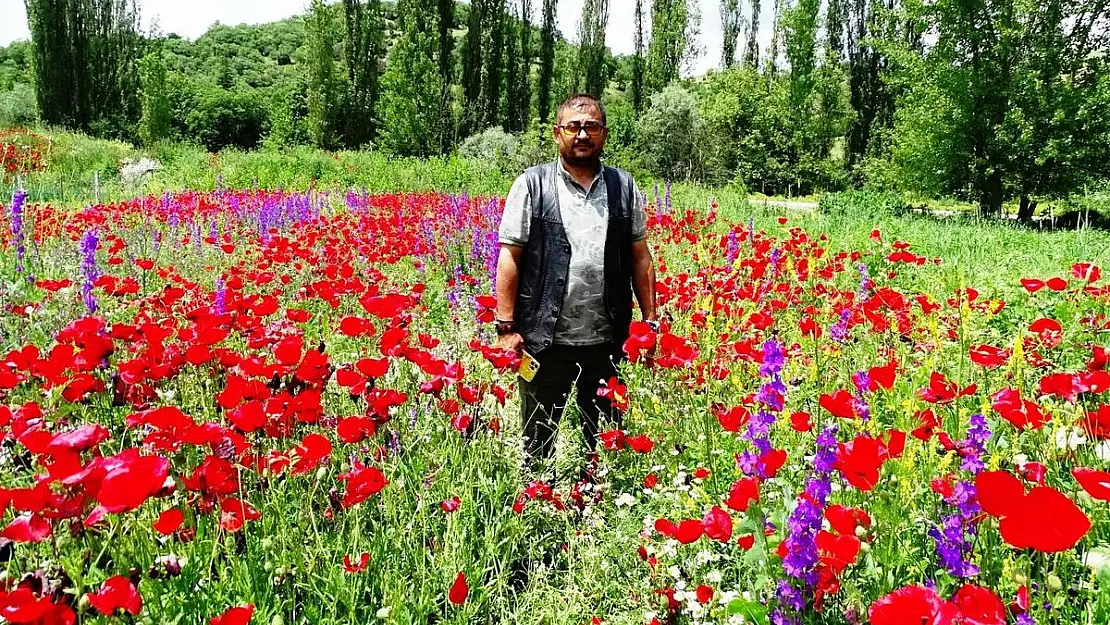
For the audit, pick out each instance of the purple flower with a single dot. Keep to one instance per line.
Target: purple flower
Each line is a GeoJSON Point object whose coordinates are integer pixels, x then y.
{"type": "Point", "coordinates": [771, 396]}
{"type": "Point", "coordinates": [955, 536]}
{"type": "Point", "coordinates": [803, 525]}
{"type": "Point", "coordinates": [18, 200]}
{"type": "Point", "coordinates": [221, 296]}
{"type": "Point", "coordinates": [89, 270]}
{"type": "Point", "coordinates": [733, 250]}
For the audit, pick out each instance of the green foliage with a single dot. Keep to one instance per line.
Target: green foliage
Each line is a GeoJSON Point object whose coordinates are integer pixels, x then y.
{"type": "Point", "coordinates": [591, 45]}
{"type": "Point", "coordinates": [509, 153]}
{"type": "Point", "coordinates": [411, 87]}
{"type": "Point", "coordinates": [85, 56]}
{"type": "Point", "coordinates": [672, 41]}
{"type": "Point", "coordinates": [224, 119]}
{"type": "Point", "coordinates": [670, 134]}
{"type": "Point", "coordinates": [862, 204]}
{"type": "Point", "coordinates": [17, 106]}
{"type": "Point", "coordinates": [154, 125]}
{"type": "Point", "coordinates": [323, 90]}
{"type": "Point", "coordinates": [547, 60]}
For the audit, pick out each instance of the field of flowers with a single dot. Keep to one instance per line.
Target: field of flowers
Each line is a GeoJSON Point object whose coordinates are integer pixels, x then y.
{"type": "Point", "coordinates": [249, 406]}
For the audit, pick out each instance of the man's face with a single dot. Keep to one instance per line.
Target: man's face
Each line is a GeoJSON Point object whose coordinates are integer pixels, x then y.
{"type": "Point", "coordinates": [585, 147]}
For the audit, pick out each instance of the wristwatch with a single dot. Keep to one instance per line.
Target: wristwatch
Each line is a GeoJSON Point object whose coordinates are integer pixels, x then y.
{"type": "Point", "coordinates": [505, 326]}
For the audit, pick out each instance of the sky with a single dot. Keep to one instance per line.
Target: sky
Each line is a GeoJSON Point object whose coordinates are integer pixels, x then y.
{"type": "Point", "coordinates": [191, 18]}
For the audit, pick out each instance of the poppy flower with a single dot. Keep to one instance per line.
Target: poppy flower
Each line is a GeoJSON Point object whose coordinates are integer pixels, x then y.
{"type": "Point", "coordinates": [860, 459]}
{"type": "Point", "coordinates": [169, 521]}
{"type": "Point", "coordinates": [743, 493]}
{"type": "Point", "coordinates": [846, 520]}
{"type": "Point", "coordinates": [450, 504]}
{"type": "Point", "coordinates": [351, 566]}
{"type": "Point", "coordinates": [703, 593]}
{"type": "Point", "coordinates": [116, 593]}
{"type": "Point", "coordinates": [1021, 413]}
{"type": "Point", "coordinates": [1086, 271]}
{"type": "Point", "coordinates": [918, 605]}
{"type": "Point", "coordinates": [1056, 284]}
{"type": "Point", "coordinates": [717, 524]}
{"type": "Point", "coordinates": [943, 391]}
{"type": "Point", "coordinates": [459, 590]}
{"type": "Point", "coordinates": [640, 443]}
{"type": "Point", "coordinates": [362, 483]}
{"type": "Point", "coordinates": [1032, 284]}
{"type": "Point", "coordinates": [238, 615]}
{"type": "Point", "coordinates": [732, 419]}
{"type": "Point", "coordinates": [1044, 519]}
{"type": "Point", "coordinates": [979, 606]}
{"type": "Point", "coordinates": [800, 421]}
{"type": "Point", "coordinates": [840, 404]}
{"type": "Point", "coordinates": [837, 551]}
{"type": "Point", "coordinates": [1096, 483]}
{"type": "Point", "coordinates": [27, 528]}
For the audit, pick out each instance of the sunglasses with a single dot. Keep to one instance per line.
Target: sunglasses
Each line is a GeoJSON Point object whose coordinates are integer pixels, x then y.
{"type": "Point", "coordinates": [593, 129]}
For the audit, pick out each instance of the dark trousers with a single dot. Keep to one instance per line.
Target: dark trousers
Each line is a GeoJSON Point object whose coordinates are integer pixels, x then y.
{"type": "Point", "coordinates": [543, 399]}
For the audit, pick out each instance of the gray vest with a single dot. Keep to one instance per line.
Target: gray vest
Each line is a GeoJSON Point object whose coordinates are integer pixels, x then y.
{"type": "Point", "coordinates": [545, 263]}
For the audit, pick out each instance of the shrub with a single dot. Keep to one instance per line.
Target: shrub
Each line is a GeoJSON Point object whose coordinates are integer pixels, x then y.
{"type": "Point", "coordinates": [17, 106]}
{"type": "Point", "coordinates": [862, 203]}
{"type": "Point", "coordinates": [507, 152]}
{"type": "Point", "coordinates": [669, 135]}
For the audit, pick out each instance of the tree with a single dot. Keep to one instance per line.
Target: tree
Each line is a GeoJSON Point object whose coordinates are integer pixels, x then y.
{"type": "Point", "coordinates": [800, 37]}
{"type": "Point", "coordinates": [637, 83]}
{"type": "Point", "coordinates": [673, 32]}
{"type": "Point", "coordinates": [732, 21]}
{"type": "Point", "coordinates": [445, 56]}
{"type": "Point", "coordinates": [524, 89]}
{"type": "Point", "coordinates": [86, 55]}
{"type": "Point", "coordinates": [411, 87]}
{"type": "Point", "coordinates": [834, 30]}
{"type": "Point", "coordinates": [1007, 98]}
{"type": "Point", "coordinates": [517, 108]}
{"type": "Point", "coordinates": [363, 49]}
{"type": "Point", "coordinates": [670, 132]}
{"type": "Point", "coordinates": [323, 88]}
{"type": "Point", "coordinates": [591, 45]}
{"type": "Point", "coordinates": [751, 52]}
{"type": "Point", "coordinates": [494, 19]}
{"type": "Point", "coordinates": [547, 60]}
{"type": "Point", "coordinates": [868, 26]}
{"type": "Point", "coordinates": [472, 65]}
{"type": "Point", "coordinates": [154, 125]}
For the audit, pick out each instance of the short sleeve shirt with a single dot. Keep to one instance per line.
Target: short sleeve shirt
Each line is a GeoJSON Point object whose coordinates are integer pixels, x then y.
{"type": "Point", "coordinates": [583, 319]}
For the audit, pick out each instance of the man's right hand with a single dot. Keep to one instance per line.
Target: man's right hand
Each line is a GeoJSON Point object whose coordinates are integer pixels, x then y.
{"type": "Point", "coordinates": [511, 341]}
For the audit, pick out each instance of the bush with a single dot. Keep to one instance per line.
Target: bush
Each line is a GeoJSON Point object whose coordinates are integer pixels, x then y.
{"type": "Point", "coordinates": [669, 135]}
{"type": "Point", "coordinates": [227, 119]}
{"type": "Point", "coordinates": [862, 204]}
{"type": "Point", "coordinates": [508, 153]}
{"type": "Point", "coordinates": [17, 106]}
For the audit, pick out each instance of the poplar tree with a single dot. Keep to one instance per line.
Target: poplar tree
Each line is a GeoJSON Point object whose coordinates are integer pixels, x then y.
{"type": "Point", "coordinates": [547, 59]}
{"type": "Point", "coordinates": [637, 87]}
{"type": "Point", "coordinates": [86, 54]}
{"type": "Point", "coordinates": [670, 42]}
{"type": "Point", "coordinates": [591, 45]}
{"type": "Point", "coordinates": [494, 19]}
{"type": "Point", "coordinates": [445, 54]}
{"type": "Point", "coordinates": [732, 21]}
{"type": "Point", "coordinates": [751, 52]}
{"type": "Point", "coordinates": [472, 65]}
{"type": "Point", "coordinates": [363, 51]}
{"type": "Point", "coordinates": [154, 125]}
{"type": "Point", "coordinates": [524, 90]}
{"type": "Point", "coordinates": [322, 84]}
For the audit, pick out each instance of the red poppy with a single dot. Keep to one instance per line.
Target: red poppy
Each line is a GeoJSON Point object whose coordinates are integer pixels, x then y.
{"type": "Point", "coordinates": [800, 421]}
{"type": "Point", "coordinates": [703, 593]}
{"type": "Point", "coordinates": [117, 593]}
{"type": "Point", "coordinates": [362, 483]}
{"type": "Point", "coordinates": [459, 590]}
{"type": "Point", "coordinates": [1043, 519]}
{"type": "Point", "coordinates": [717, 524]}
{"type": "Point", "coordinates": [979, 606]}
{"type": "Point", "coordinates": [732, 419]}
{"type": "Point", "coordinates": [351, 566]}
{"type": "Point", "coordinates": [1056, 284]}
{"type": "Point", "coordinates": [918, 605]}
{"type": "Point", "coordinates": [169, 521]}
{"type": "Point", "coordinates": [450, 504]}
{"type": "Point", "coordinates": [1096, 423]}
{"type": "Point", "coordinates": [859, 460]}
{"type": "Point", "coordinates": [1096, 483]}
{"type": "Point", "coordinates": [989, 356]}
{"type": "Point", "coordinates": [845, 520]}
{"type": "Point", "coordinates": [640, 443]}
{"type": "Point", "coordinates": [837, 551]}
{"type": "Point", "coordinates": [234, 513]}
{"type": "Point", "coordinates": [840, 404]}
{"type": "Point", "coordinates": [942, 391]}
{"type": "Point", "coordinates": [1086, 271]}
{"type": "Point", "coordinates": [27, 528]}
{"type": "Point", "coordinates": [1021, 413]}
{"type": "Point", "coordinates": [746, 542]}
{"type": "Point", "coordinates": [743, 493]}
{"type": "Point", "coordinates": [239, 615]}
{"type": "Point", "coordinates": [1032, 284]}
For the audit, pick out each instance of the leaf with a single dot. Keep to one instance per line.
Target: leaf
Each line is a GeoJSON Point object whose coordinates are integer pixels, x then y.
{"type": "Point", "coordinates": [752, 611]}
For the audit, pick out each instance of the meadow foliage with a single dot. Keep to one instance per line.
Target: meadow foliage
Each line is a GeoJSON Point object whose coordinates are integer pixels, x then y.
{"type": "Point", "coordinates": [257, 406]}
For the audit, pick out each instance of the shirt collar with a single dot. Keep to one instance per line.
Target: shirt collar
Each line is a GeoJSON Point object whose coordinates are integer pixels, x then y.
{"type": "Point", "coordinates": [569, 178]}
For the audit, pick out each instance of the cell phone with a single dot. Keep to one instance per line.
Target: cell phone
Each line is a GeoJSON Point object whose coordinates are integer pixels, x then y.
{"type": "Point", "coordinates": [529, 366]}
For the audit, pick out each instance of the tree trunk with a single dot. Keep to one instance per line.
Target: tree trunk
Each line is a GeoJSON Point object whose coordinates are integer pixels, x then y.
{"type": "Point", "coordinates": [990, 202]}
{"type": "Point", "coordinates": [1026, 208]}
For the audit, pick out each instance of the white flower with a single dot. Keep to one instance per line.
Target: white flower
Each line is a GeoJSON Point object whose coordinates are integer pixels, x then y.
{"type": "Point", "coordinates": [703, 558]}
{"type": "Point", "coordinates": [626, 499]}
{"type": "Point", "coordinates": [1020, 459]}
{"type": "Point", "coordinates": [714, 577]}
{"type": "Point", "coordinates": [383, 612]}
{"type": "Point", "coordinates": [1069, 438]}
{"type": "Point", "coordinates": [1103, 450]}
{"type": "Point", "coordinates": [675, 572]}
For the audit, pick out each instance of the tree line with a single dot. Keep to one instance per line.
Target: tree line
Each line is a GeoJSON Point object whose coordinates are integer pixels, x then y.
{"type": "Point", "coordinates": [987, 100]}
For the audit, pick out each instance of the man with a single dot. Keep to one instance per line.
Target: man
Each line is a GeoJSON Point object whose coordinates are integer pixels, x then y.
{"type": "Point", "coordinates": [573, 250]}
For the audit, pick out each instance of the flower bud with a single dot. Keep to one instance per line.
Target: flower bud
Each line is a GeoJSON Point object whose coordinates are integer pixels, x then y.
{"type": "Point", "coordinates": [1054, 583]}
